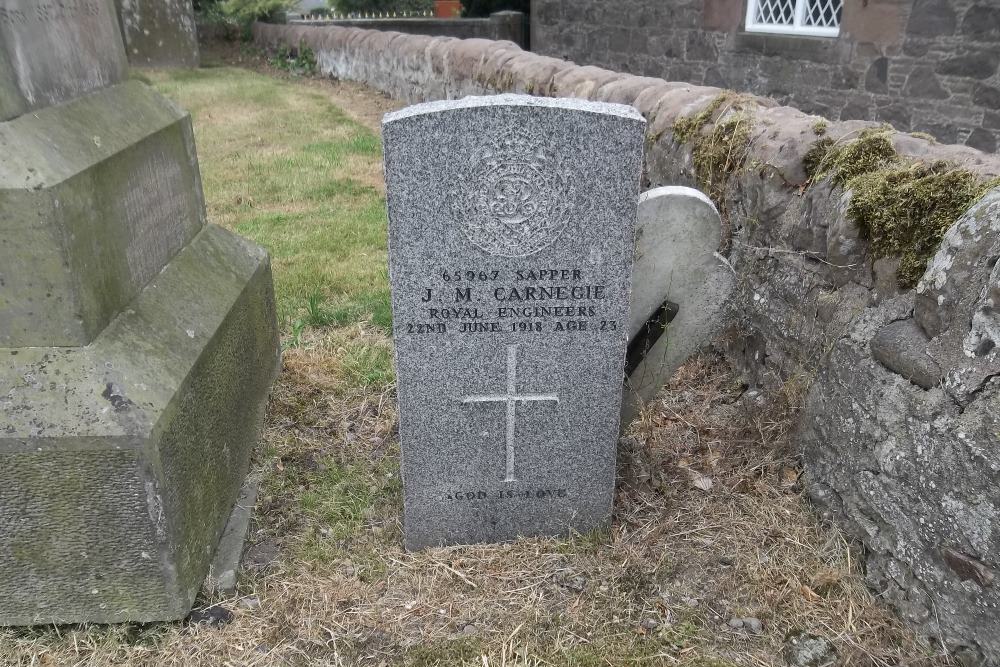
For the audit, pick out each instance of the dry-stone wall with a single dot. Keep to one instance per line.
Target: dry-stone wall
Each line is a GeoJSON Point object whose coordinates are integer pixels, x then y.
{"type": "Point", "coordinates": [829, 226]}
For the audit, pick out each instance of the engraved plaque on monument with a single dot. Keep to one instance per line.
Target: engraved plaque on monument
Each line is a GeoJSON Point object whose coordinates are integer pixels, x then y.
{"type": "Point", "coordinates": [52, 51]}
{"type": "Point", "coordinates": [511, 236]}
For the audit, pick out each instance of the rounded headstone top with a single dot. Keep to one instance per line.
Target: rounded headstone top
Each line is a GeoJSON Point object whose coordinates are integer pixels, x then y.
{"type": "Point", "coordinates": [510, 99]}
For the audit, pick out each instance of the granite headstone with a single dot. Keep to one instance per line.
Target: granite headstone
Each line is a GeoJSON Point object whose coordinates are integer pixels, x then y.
{"type": "Point", "coordinates": [676, 263]}
{"type": "Point", "coordinates": [511, 237]}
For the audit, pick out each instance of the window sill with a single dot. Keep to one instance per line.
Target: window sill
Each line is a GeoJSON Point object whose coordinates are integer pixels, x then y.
{"type": "Point", "coordinates": [788, 31]}
{"type": "Point", "coordinates": [802, 47]}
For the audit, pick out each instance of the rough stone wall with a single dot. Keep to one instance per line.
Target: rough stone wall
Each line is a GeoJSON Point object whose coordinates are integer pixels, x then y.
{"type": "Point", "coordinates": [898, 433]}
{"type": "Point", "coordinates": [921, 65]}
{"type": "Point", "coordinates": [508, 26]}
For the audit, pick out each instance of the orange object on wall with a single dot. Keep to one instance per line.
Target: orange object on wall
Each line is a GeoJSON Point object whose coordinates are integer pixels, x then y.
{"type": "Point", "coordinates": [447, 9]}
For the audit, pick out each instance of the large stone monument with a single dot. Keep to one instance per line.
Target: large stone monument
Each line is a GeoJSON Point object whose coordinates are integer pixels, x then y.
{"type": "Point", "coordinates": [511, 234]}
{"type": "Point", "coordinates": [159, 33]}
{"type": "Point", "coordinates": [137, 343]}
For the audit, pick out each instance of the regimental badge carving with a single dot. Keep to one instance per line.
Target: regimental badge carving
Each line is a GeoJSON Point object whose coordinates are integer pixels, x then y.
{"type": "Point", "coordinates": [515, 198]}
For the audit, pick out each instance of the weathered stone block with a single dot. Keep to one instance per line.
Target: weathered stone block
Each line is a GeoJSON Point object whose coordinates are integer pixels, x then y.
{"type": "Point", "coordinates": [54, 50]}
{"type": "Point", "coordinates": [975, 63]}
{"type": "Point", "coordinates": [968, 250]}
{"type": "Point", "coordinates": [877, 76]}
{"type": "Point", "coordinates": [923, 84]}
{"type": "Point", "coordinates": [159, 33]}
{"type": "Point", "coordinates": [982, 139]}
{"type": "Point", "coordinates": [901, 347]}
{"type": "Point", "coordinates": [96, 196]}
{"type": "Point", "coordinates": [982, 23]}
{"type": "Point", "coordinates": [988, 96]}
{"type": "Point", "coordinates": [913, 476]}
{"type": "Point", "coordinates": [120, 461]}
{"type": "Point", "coordinates": [931, 18]}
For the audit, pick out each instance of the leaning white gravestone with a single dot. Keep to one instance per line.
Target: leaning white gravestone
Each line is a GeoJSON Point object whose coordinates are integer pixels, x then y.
{"type": "Point", "coordinates": [511, 232]}
{"type": "Point", "coordinates": [676, 262]}
{"type": "Point", "coordinates": [137, 343]}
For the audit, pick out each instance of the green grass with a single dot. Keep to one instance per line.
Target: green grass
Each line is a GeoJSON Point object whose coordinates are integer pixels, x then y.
{"type": "Point", "coordinates": [284, 167]}
{"type": "Point", "coordinates": [369, 366]}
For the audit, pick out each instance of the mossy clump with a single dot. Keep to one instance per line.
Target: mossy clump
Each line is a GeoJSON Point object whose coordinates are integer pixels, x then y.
{"type": "Point", "coordinates": [819, 127]}
{"type": "Point", "coordinates": [871, 151]}
{"type": "Point", "coordinates": [925, 136]}
{"type": "Point", "coordinates": [721, 153]}
{"type": "Point", "coordinates": [816, 157]}
{"type": "Point", "coordinates": [686, 127]}
{"type": "Point", "coordinates": [905, 211]}
{"type": "Point", "coordinates": [902, 208]}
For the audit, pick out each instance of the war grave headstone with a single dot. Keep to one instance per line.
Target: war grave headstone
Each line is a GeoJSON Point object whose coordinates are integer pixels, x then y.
{"type": "Point", "coordinates": [137, 343]}
{"type": "Point", "coordinates": [159, 33]}
{"type": "Point", "coordinates": [681, 285]}
{"type": "Point", "coordinates": [511, 233]}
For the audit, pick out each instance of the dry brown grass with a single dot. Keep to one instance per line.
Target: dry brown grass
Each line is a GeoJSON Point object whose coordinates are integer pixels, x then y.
{"type": "Point", "coordinates": [680, 554]}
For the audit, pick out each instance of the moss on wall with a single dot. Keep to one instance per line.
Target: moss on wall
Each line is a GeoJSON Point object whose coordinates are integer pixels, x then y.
{"type": "Point", "coordinates": [903, 208]}
{"type": "Point", "coordinates": [687, 127]}
{"type": "Point", "coordinates": [721, 152]}
{"type": "Point", "coordinates": [905, 211]}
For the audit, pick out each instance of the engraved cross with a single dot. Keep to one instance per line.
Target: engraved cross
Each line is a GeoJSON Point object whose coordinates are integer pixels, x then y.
{"type": "Point", "coordinates": [511, 398]}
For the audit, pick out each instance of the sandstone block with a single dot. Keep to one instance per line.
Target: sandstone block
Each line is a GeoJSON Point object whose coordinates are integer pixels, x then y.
{"type": "Point", "coordinates": [96, 196]}
{"type": "Point", "coordinates": [120, 461]}
{"type": "Point", "coordinates": [159, 33]}
{"type": "Point", "coordinates": [52, 52]}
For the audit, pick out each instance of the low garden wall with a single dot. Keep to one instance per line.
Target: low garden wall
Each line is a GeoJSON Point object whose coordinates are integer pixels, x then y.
{"type": "Point", "coordinates": [509, 26]}
{"type": "Point", "coordinates": [868, 276]}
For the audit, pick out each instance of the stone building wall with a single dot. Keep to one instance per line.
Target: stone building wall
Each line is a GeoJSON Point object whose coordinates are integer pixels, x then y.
{"type": "Point", "coordinates": [921, 65]}
{"type": "Point", "coordinates": [898, 430]}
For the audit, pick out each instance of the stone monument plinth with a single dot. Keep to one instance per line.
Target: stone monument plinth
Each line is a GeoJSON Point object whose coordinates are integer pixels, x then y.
{"type": "Point", "coordinates": [137, 343]}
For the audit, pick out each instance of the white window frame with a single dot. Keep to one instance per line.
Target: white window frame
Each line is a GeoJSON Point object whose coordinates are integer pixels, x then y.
{"type": "Point", "coordinates": [797, 27]}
